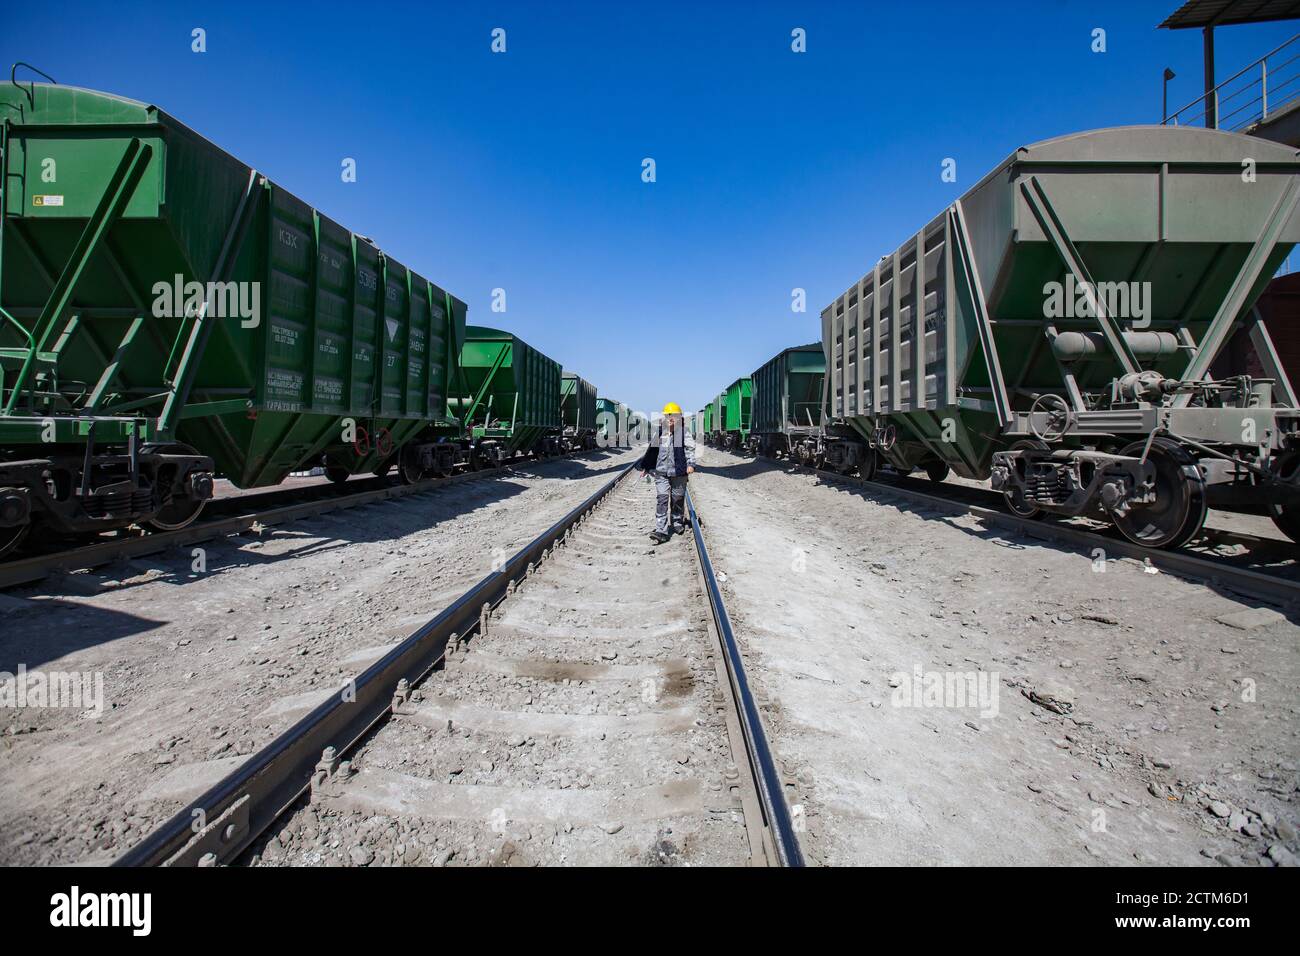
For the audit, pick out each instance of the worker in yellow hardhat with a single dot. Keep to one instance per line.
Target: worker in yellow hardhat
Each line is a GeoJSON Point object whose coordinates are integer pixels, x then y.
{"type": "Point", "coordinates": [671, 456]}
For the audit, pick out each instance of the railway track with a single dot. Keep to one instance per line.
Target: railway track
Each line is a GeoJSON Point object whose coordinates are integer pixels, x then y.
{"type": "Point", "coordinates": [235, 515]}
{"type": "Point", "coordinates": [586, 703]}
{"type": "Point", "coordinates": [1259, 568]}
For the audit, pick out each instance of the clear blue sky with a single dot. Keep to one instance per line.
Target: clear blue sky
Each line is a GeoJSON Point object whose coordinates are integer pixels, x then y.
{"type": "Point", "coordinates": [522, 170]}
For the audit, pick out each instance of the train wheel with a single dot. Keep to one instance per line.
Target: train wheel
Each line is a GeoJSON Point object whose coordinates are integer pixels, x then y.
{"type": "Point", "coordinates": [937, 471]}
{"type": "Point", "coordinates": [1017, 505]}
{"type": "Point", "coordinates": [409, 467]}
{"type": "Point", "coordinates": [868, 467]}
{"type": "Point", "coordinates": [337, 474]}
{"type": "Point", "coordinates": [1015, 500]}
{"type": "Point", "coordinates": [383, 468]}
{"type": "Point", "coordinates": [1287, 517]}
{"type": "Point", "coordinates": [1179, 510]}
{"type": "Point", "coordinates": [11, 538]}
{"type": "Point", "coordinates": [179, 512]}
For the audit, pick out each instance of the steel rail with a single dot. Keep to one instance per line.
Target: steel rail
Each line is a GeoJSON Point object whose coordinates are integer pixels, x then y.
{"type": "Point", "coordinates": [39, 566]}
{"type": "Point", "coordinates": [762, 764]}
{"type": "Point", "coordinates": [224, 821]}
{"type": "Point", "coordinates": [1268, 587]}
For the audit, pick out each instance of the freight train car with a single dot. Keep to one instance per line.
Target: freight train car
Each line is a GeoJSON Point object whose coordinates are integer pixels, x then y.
{"type": "Point", "coordinates": [510, 402]}
{"type": "Point", "coordinates": [787, 403]}
{"type": "Point", "coordinates": [700, 424]}
{"type": "Point", "coordinates": [1053, 328]}
{"type": "Point", "coordinates": [169, 314]}
{"type": "Point", "coordinates": [638, 428]}
{"type": "Point", "coordinates": [611, 423]}
{"type": "Point", "coordinates": [737, 404]}
{"type": "Point", "coordinates": [716, 434]}
{"type": "Point", "coordinates": [578, 410]}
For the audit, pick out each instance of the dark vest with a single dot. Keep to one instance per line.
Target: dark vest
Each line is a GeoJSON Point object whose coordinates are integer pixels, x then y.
{"type": "Point", "coordinates": [650, 460]}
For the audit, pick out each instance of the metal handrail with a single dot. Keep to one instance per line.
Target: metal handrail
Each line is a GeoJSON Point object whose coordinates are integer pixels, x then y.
{"type": "Point", "coordinates": [1265, 82]}
{"type": "Point", "coordinates": [30, 89]}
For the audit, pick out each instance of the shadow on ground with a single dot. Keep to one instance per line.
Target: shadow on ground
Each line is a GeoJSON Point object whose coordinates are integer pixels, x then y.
{"type": "Point", "coordinates": [55, 623]}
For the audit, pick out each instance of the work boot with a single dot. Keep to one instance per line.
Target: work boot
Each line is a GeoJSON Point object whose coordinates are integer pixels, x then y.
{"type": "Point", "coordinates": [679, 528]}
{"type": "Point", "coordinates": [659, 537]}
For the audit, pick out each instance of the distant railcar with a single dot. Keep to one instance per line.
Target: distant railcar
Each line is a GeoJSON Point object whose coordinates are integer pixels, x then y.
{"type": "Point", "coordinates": [737, 404]}
{"type": "Point", "coordinates": [611, 423]}
{"type": "Point", "coordinates": [718, 420]}
{"type": "Point", "coordinates": [578, 409]}
{"type": "Point", "coordinates": [787, 403]}
{"type": "Point", "coordinates": [704, 417]}
{"type": "Point", "coordinates": [638, 427]}
{"type": "Point", "coordinates": [511, 399]}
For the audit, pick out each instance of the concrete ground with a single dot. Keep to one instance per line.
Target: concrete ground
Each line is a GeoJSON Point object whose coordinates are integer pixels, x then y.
{"type": "Point", "coordinates": [200, 668]}
{"type": "Point", "coordinates": [940, 692]}
{"type": "Point", "coordinates": [946, 694]}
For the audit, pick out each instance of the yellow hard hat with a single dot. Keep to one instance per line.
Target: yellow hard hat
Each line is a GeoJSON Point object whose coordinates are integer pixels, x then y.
{"type": "Point", "coordinates": [672, 408]}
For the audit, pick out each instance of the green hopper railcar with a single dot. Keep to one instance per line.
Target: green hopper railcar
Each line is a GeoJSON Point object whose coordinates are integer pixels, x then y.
{"type": "Point", "coordinates": [169, 314]}
{"type": "Point", "coordinates": [717, 430]}
{"type": "Point", "coordinates": [788, 391]}
{"type": "Point", "coordinates": [738, 410]}
{"type": "Point", "coordinates": [510, 402]}
{"type": "Point", "coordinates": [1052, 330]}
{"type": "Point", "coordinates": [578, 409]}
{"type": "Point", "coordinates": [611, 423]}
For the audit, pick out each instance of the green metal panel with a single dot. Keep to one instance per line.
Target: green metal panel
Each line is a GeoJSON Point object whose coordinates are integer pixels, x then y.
{"type": "Point", "coordinates": [719, 418]}
{"type": "Point", "coordinates": [788, 390]}
{"type": "Point", "coordinates": [512, 391]}
{"type": "Point", "coordinates": [738, 404]}
{"type": "Point", "coordinates": [611, 415]}
{"type": "Point", "coordinates": [341, 331]}
{"type": "Point", "coordinates": [964, 339]}
{"type": "Point", "coordinates": [578, 401]}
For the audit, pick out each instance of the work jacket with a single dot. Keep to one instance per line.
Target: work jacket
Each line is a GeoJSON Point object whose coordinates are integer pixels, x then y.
{"type": "Point", "coordinates": [670, 453]}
